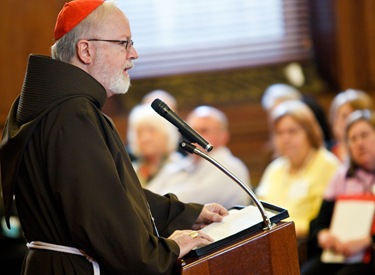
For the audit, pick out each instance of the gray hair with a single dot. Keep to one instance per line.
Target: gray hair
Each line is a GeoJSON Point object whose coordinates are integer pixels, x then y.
{"type": "Point", "coordinates": [144, 114]}
{"type": "Point", "coordinates": [64, 49]}
{"type": "Point", "coordinates": [357, 99]}
{"type": "Point", "coordinates": [209, 111]}
{"type": "Point", "coordinates": [162, 95]}
{"type": "Point", "coordinates": [277, 93]}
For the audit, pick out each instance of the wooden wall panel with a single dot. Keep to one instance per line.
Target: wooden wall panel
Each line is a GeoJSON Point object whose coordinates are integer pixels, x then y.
{"type": "Point", "coordinates": [343, 35]}
{"type": "Point", "coordinates": [323, 34]}
{"type": "Point", "coordinates": [352, 44]}
{"type": "Point", "coordinates": [26, 27]}
{"type": "Point", "coordinates": [369, 14]}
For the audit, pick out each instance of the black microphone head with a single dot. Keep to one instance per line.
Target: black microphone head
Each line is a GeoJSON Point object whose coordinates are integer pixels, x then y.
{"type": "Point", "coordinates": [156, 103]}
{"type": "Point", "coordinates": [160, 107]}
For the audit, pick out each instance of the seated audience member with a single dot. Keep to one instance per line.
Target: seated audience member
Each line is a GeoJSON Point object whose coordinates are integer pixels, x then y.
{"type": "Point", "coordinates": [296, 180]}
{"type": "Point", "coordinates": [194, 179]}
{"type": "Point", "coordinates": [280, 92]}
{"type": "Point", "coordinates": [147, 99]}
{"type": "Point", "coordinates": [342, 105]}
{"type": "Point", "coordinates": [167, 98]}
{"type": "Point", "coordinates": [355, 177]}
{"type": "Point", "coordinates": [277, 93]}
{"type": "Point", "coordinates": [153, 141]}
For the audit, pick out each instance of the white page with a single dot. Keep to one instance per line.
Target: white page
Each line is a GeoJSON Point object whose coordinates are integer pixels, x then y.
{"type": "Point", "coordinates": [235, 222]}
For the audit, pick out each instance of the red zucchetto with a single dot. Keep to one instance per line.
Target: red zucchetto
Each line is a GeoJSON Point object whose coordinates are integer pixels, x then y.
{"type": "Point", "coordinates": [72, 14]}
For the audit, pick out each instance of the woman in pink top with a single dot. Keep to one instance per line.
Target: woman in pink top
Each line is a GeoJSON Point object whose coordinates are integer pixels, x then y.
{"type": "Point", "coordinates": [357, 177]}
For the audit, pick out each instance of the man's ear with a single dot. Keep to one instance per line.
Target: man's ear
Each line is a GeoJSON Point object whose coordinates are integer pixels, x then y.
{"type": "Point", "coordinates": [84, 51]}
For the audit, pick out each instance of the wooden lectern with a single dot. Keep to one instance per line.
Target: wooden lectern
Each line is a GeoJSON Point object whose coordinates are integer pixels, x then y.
{"type": "Point", "coordinates": [271, 251]}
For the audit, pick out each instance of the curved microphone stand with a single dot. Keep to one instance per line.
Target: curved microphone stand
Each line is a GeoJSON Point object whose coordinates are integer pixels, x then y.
{"type": "Point", "coordinates": [187, 146]}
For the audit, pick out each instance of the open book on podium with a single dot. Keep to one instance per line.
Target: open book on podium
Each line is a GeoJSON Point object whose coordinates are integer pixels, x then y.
{"type": "Point", "coordinates": [239, 222]}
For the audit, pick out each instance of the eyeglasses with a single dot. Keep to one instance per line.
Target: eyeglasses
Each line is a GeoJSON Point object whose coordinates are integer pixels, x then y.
{"type": "Point", "coordinates": [127, 44]}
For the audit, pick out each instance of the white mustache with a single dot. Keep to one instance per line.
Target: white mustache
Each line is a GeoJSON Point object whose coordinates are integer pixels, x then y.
{"type": "Point", "coordinates": [129, 66]}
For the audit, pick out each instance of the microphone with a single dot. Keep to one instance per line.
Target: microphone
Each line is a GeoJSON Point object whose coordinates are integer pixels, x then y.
{"type": "Point", "coordinates": [191, 135]}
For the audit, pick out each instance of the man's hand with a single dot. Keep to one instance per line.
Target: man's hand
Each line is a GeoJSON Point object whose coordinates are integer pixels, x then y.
{"type": "Point", "coordinates": [188, 239]}
{"type": "Point", "coordinates": [212, 212]}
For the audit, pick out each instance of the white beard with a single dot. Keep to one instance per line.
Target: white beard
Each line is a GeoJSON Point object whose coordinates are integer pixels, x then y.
{"type": "Point", "coordinates": [116, 83]}
{"type": "Point", "coordinates": [120, 84]}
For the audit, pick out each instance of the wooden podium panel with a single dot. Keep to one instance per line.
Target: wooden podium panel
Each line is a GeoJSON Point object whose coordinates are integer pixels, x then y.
{"type": "Point", "coordinates": [266, 252]}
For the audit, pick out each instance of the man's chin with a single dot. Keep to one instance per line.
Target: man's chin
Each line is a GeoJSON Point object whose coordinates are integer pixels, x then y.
{"type": "Point", "coordinates": [121, 91]}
